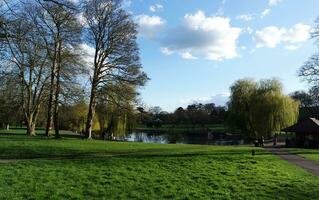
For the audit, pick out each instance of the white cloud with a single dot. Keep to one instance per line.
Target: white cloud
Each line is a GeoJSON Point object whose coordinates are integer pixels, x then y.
{"type": "Point", "coordinates": [245, 17]}
{"type": "Point", "coordinates": [298, 33]}
{"type": "Point", "coordinates": [210, 37]}
{"type": "Point", "coordinates": [74, 1]}
{"type": "Point", "coordinates": [292, 47]}
{"type": "Point", "coordinates": [274, 2]}
{"type": "Point", "coordinates": [187, 101]}
{"type": "Point", "coordinates": [88, 50]}
{"type": "Point", "coordinates": [248, 30]}
{"type": "Point", "coordinates": [271, 3]}
{"type": "Point", "coordinates": [271, 36]}
{"type": "Point", "coordinates": [220, 11]}
{"type": "Point", "coordinates": [167, 51]}
{"type": "Point", "coordinates": [218, 99]}
{"type": "Point", "coordinates": [187, 55]}
{"type": "Point", "coordinates": [156, 7]}
{"type": "Point", "coordinates": [252, 51]}
{"type": "Point", "coordinates": [265, 13]}
{"type": "Point", "coordinates": [149, 26]}
{"type": "Point", "coordinates": [88, 54]}
{"type": "Point", "coordinates": [81, 19]}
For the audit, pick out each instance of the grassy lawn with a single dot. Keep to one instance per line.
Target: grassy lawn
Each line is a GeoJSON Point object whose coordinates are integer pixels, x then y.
{"type": "Point", "coordinates": [40, 168]}
{"type": "Point", "coordinates": [312, 154]}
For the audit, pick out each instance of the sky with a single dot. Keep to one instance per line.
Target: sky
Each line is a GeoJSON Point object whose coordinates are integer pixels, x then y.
{"type": "Point", "coordinates": [194, 50]}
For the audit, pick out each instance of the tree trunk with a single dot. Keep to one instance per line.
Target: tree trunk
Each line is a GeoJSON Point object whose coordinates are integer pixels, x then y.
{"type": "Point", "coordinates": [51, 95]}
{"type": "Point", "coordinates": [56, 118]}
{"type": "Point", "coordinates": [8, 127]}
{"type": "Point", "coordinates": [56, 115]}
{"type": "Point", "coordinates": [57, 93]}
{"type": "Point", "coordinates": [30, 126]}
{"type": "Point", "coordinates": [49, 117]}
{"type": "Point", "coordinates": [89, 122]}
{"type": "Point", "coordinates": [50, 104]}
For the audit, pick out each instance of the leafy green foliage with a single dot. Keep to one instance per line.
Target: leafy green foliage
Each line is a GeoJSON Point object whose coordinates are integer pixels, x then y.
{"type": "Point", "coordinates": [261, 109]}
{"type": "Point", "coordinates": [73, 116]}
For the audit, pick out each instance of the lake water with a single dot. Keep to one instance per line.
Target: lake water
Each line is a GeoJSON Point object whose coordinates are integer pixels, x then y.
{"type": "Point", "coordinates": [181, 138]}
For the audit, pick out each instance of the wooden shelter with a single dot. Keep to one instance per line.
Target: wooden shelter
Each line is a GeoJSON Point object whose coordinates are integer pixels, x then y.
{"type": "Point", "coordinates": [306, 133]}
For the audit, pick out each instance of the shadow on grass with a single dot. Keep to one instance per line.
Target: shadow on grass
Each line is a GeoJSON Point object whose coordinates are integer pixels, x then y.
{"type": "Point", "coordinates": [39, 136]}
{"type": "Point", "coordinates": [304, 152]}
{"type": "Point", "coordinates": [22, 147]}
{"type": "Point", "coordinates": [63, 153]}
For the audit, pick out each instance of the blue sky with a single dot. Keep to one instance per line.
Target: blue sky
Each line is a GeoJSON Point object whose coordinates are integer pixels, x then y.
{"type": "Point", "coordinates": [193, 50]}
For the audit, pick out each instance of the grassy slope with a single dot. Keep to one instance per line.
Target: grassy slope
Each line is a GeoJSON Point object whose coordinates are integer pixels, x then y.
{"type": "Point", "coordinates": [145, 171]}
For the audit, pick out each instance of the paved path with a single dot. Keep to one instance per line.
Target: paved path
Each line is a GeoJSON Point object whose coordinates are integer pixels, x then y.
{"type": "Point", "coordinates": [306, 164]}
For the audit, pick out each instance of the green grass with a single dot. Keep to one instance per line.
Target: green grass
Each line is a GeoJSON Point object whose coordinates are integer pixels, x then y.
{"type": "Point", "coordinates": [312, 154]}
{"type": "Point", "coordinates": [68, 168]}
{"type": "Point", "coordinates": [23, 131]}
{"type": "Point", "coordinates": [17, 131]}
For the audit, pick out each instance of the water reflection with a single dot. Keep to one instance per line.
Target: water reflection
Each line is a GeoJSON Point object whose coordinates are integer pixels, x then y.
{"type": "Point", "coordinates": [146, 137]}
{"type": "Point", "coordinates": [180, 138]}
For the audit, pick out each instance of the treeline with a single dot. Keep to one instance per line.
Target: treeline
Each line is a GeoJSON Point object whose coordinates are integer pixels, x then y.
{"type": "Point", "coordinates": [255, 109]}
{"type": "Point", "coordinates": [68, 65]}
{"type": "Point", "coordinates": [196, 114]}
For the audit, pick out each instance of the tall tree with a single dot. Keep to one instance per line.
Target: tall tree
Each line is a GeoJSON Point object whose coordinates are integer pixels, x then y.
{"type": "Point", "coordinates": [112, 33]}
{"type": "Point", "coordinates": [26, 53]}
{"type": "Point", "coordinates": [260, 109]}
{"type": "Point", "coordinates": [240, 105]}
{"type": "Point", "coordinates": [62, 33]}
{"type": "Point", "coordinates": [309, 71]}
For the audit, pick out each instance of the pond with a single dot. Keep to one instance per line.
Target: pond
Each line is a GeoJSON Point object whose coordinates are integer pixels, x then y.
{"type": "Point", "coordinates": [182, 138]}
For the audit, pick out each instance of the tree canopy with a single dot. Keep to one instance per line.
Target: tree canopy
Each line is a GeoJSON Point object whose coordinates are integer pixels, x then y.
{"type": "Point", "coordinates": [261, 108]}
{"type": "Point", "coordinates": [41, 49]}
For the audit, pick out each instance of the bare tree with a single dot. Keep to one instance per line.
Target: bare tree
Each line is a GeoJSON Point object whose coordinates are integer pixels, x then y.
{"type": "Point", "coordinates": [309, 71]}
{"type": "Point", "coordinates": [112, 34]}
{"type": "Point", "coordinates": [27, 59]}
{"type": "Point", "coordinates": [62, 34]}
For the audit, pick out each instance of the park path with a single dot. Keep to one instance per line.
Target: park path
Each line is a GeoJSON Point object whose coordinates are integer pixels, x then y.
{"type": "Point", "coordinates": [304, 163]}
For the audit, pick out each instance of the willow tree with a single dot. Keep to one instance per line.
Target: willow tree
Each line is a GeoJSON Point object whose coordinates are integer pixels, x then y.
{"type": "Point", "coordinates": [272, 110]}
{"type": "Point", "coordinates": [112, 33]}
{"type": "Point", "coordinates": [261, 108]}
{"type": "Point", "coordinates": [115, 108]}
{"type": "Point", "coordinates": [240, 105]}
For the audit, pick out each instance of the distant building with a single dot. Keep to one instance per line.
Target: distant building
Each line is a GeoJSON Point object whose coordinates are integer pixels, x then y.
{"type": "Point", "coordinates": [306, 133]}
